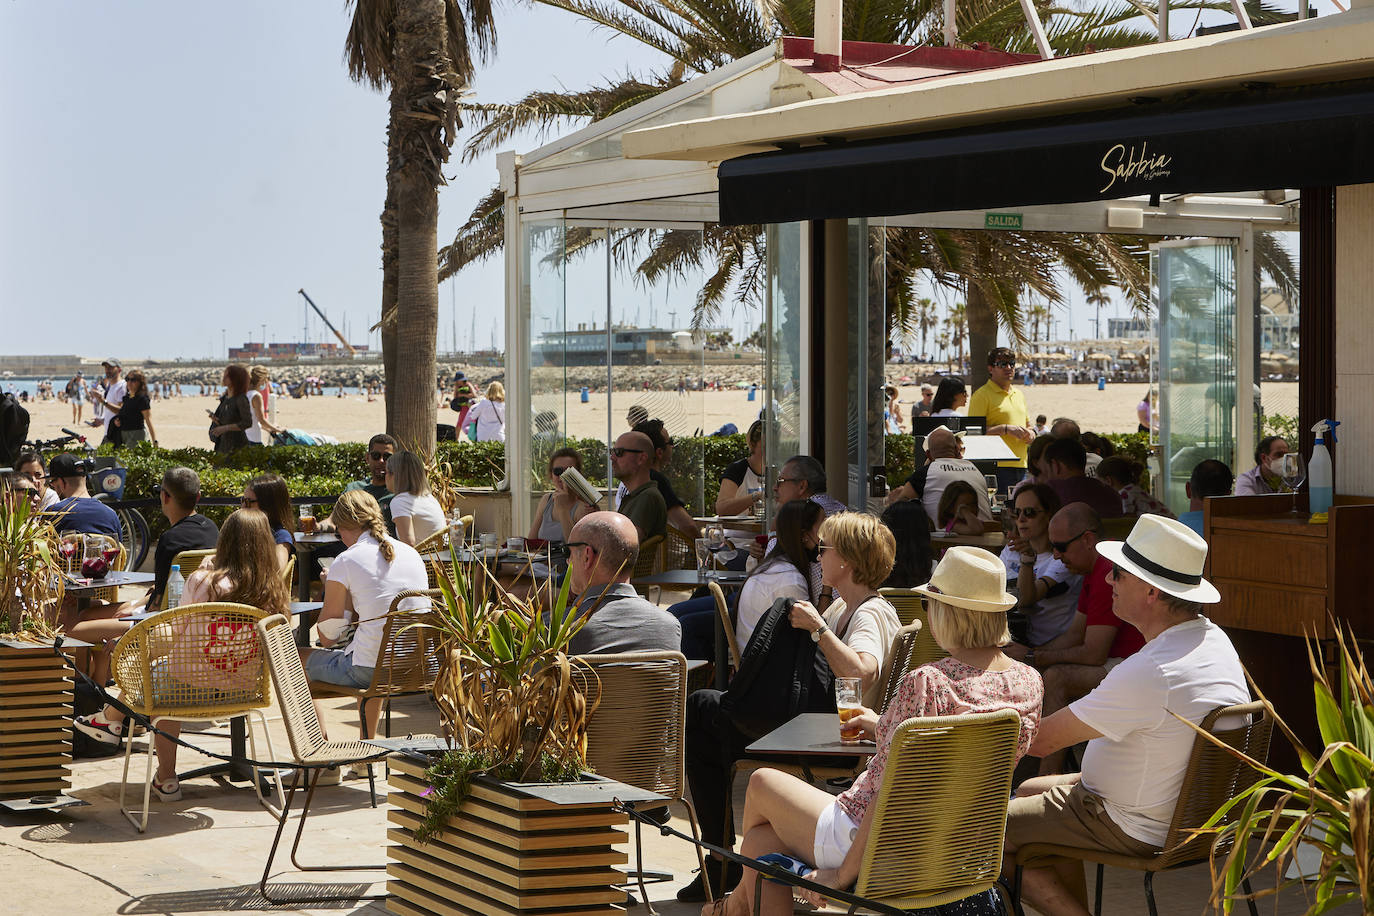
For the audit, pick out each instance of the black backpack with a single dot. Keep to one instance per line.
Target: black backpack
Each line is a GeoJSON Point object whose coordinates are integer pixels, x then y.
{"type": "Point", "coordinates": [14, 429]}
{"type": "Point", "coordinates": [781, 674]}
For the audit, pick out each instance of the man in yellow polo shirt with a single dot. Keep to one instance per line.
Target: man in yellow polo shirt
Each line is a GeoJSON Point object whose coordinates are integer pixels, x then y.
{"type": "Point", "coordinates": [1006, 414]}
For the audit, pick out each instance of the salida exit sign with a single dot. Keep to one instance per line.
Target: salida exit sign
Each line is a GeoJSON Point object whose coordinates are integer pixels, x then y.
{"type": "Point", "coordinates": [1002, 221]}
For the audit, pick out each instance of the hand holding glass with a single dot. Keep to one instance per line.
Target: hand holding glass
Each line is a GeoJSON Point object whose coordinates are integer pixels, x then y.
{"type": "Point", "coordinates": [848, 702]}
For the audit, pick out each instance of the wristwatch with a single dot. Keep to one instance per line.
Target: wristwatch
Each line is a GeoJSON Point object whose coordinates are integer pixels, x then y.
{"type": "Point", "coordinates": [820, 631]}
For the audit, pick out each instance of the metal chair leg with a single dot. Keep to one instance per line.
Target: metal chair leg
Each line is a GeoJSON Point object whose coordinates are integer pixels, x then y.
{"type": "Point", "coordinates": [1249, 896]}
{"type": "Point", "coordinates": [1097, 905]}
{"type": "Point", "coordinates": [362, 724]}
{"type": "Point", "coordinates": [1150, 893]}
{"type": "Point", "coordinates": [1016, 892]}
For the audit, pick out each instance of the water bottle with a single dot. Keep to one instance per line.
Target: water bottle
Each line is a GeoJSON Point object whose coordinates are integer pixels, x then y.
{"type": "Point", "coordinates": [175, 586]}
{"type": "Point", "coordinates": [455, 530]}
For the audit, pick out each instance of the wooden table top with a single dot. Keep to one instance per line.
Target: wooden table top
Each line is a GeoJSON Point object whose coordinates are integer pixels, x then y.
{"type": "Point", "coordinates": [988, 540]}
{"type": "Point", "coordinates": [726, 579]}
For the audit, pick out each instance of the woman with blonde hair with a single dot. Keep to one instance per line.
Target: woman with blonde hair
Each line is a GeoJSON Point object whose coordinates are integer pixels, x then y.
{"type": "Point", "coordinates": [488, 417]}
{"type": "Point", "coordinates": [242, 571]}
{"type": "Point", "coordinates": [968, 602]}
{"type": "Point", "coordinates": [365, 578]}
{"type": "Point", "coordinates": [415, 512]}
{"type": "Point", "coordinates": [258, 391]}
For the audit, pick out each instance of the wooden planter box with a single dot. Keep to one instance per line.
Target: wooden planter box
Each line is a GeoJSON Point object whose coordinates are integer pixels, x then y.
{"type": "Point", "coordinates": [35, 720]}
{"type": "Point", "coordinates": [508, 850]}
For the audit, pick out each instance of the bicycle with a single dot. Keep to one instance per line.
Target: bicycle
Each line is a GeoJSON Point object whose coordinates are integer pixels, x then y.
{"type": "Point", "coordinates": [134, 532]}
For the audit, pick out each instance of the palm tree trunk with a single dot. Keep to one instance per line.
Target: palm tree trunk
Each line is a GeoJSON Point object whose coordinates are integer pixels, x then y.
{"type": "Point", "coordinates": [389, 269]}
{"type": "Point", "coordinates": [425, 117]}
{"type": "Point", "coordinates": [982, 334]}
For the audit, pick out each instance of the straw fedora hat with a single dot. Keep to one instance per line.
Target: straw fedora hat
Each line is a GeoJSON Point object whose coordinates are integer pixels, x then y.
{"type": "Point", "coordinates": [1167, 554]}
{"type": "Point", "coordinates": [971, 578]}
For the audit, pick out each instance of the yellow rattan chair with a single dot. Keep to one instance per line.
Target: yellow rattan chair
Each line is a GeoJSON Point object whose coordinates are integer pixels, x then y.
{"type": "Point", "coordinates": [898, 662]}
{"type": "Point", "coordinates": [288, 573]}
{"type": "Point", "coordinates": [1213, 777]}
{"type": "Point", "coordinates": [636, 733]}
{"type": "Point", "coordinates": [679, 550]}
{"type": "Point", "coordinates": [650, 561]}
{"type": "Point", "coordinates": [723, 613]}
{"type": "Point", "coordinates": [910, 608]}
{"type": "Point", "coordinates": [436, 542]}
{"type": "Point", "coordinates": [191, 664]}
{"type": "Point", "coordinates": [941, 812]}
{"type": "Point", "coordinates": [189, 561]}
{"type": "Point", "coordinates": [407, 663]}
{"type": "Point", "coordinates": [310, 751]}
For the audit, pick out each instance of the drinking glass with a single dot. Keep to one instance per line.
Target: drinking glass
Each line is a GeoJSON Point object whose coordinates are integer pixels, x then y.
{"type": "Point", "coordinates": [489, 541]}
{"type": "Point", "coordinates": [703, 556]}
{"type": "Point", "coordinates": [1293, 470]}
{"type": "Point", "coordinates": [991, 481]}
{"type": "Point", "coordinates": [715, 542]}
{"type": "Point", "coordinates": [307, 519]}
{"type": "Point", "coordinates": [848, 703]}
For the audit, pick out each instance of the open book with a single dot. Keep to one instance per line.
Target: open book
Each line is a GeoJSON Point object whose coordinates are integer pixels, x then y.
{"type": "Point", "coordinates": [579, 487]}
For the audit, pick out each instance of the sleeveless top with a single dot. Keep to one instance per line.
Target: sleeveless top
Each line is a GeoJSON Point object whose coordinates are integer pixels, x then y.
{"type": "Point", "coordinates": [549, 529]}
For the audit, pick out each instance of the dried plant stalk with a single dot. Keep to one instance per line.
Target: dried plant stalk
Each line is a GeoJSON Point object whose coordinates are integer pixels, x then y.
{"type": "Point", "coordinates": [31, 586]}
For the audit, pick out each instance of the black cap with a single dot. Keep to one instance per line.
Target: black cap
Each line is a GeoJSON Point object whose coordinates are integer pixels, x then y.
{"type": "Point", "coordinates": [64, 465]}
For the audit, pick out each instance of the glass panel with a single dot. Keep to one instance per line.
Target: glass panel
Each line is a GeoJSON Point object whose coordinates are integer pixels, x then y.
{"type": "Point", "coordinates": [783, 347]}
{"type": "Point", "coordinates": [585, 345]}
{"type": "Point", "coordinates": [543, 313]}
{"type": "Point", "coordinates": [1276, 357]}
{"type": "Point", "coordinates": [867, 357]}
{"type": "Point", "coordinates": [1195, 284]}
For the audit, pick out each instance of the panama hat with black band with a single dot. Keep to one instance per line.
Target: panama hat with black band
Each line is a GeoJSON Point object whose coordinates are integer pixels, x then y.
{"type": "Point", "coordinates": [1166, 554]}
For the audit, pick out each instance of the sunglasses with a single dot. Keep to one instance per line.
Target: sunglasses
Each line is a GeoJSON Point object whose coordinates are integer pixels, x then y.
{"type": "Point", "coordinates": [820, 547]}
{"type": "Point", "coordinates": [622, 452]}
{"type": "Point", "coordinates": [1004, 364]}
{"type": "Point", "coordinates": [558, 472]}
{"type": "Point", "coordinates": [248, 502]}
{"type": "Point", "coordinates": [1027, 512]}
{"type": "Point", "coordinates": [1062, 546]}
{"type": "Point", "coordinates": [378, 456]}
{"type": "Point", "coordinates": [571, 544]}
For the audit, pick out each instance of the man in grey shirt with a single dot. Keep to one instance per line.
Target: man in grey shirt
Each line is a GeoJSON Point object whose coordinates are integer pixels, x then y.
{"type": "Point", "coordinates": [602, 548]}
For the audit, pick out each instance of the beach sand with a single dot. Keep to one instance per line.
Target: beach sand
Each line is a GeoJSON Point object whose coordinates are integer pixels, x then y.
{"type": "Point", "coordinates": [182, 422]}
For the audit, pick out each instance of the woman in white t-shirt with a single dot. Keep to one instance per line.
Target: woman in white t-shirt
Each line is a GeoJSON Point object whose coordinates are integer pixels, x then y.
{"type": "Point", "coordinates": [1047, 593]}
{"type": "Point", "coordinates": [489, 415]}
{"type": "Point", "coordinates": [785, 571]}
{"type": "Point", "coordinates": [365, 578]}
{"type": "Point", "coordinates": [950, 398]}
{"type": "Point", "coordinates": [258, 389]}
{"type": "Point", "coordinates": [415, 512]}
{"type": "Point", "coordinates": [856, 554]}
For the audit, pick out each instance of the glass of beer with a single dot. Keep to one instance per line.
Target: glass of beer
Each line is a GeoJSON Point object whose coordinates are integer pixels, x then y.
{"type": "Point", "coordinates": [848, 696]}
{"type": "Point", "coordinates": [307, 519]}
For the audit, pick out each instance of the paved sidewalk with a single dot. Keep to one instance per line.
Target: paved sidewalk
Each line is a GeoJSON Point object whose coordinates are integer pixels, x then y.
{"type": "Point", "coordinates": [205, 853]}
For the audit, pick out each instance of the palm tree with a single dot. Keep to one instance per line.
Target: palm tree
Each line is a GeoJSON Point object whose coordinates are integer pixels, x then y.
{"type": "Point", "coordinates": [1038, 314]}
{"type": "Point", "coordinates": [942, 341]}
{"type": "Point", "coordinates": [422, 52]}
{"type": "Point", "coordinates": [699, 35]}
{"type": "Point", "coordinates": [925, 320]}
{"type": "Point", "coordinates": [958, 327]}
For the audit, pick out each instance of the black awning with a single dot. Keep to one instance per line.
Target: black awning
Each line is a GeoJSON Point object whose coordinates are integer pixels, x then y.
{"type": "Point", "coordinates": [1255, 140]}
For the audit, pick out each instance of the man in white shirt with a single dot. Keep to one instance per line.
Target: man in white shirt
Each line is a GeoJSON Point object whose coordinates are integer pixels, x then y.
{"type": "Point", "coordinates": [1138, 751]}
{"type": "Point", "coordinates": [944, 465]}
{"type": "Point", "coordinates": [109, 391]}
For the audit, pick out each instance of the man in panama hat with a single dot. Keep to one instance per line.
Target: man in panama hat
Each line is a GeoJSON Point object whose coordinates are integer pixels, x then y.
{"type": "Point", "coordinates": [1137, 751]}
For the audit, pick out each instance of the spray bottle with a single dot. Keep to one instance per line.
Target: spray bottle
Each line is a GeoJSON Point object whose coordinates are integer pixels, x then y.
{"type": "Point", "coordinates": [1319, 481]}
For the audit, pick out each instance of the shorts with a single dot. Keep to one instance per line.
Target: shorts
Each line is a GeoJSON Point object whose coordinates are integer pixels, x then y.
{"type": "Point", "coordinates": [329, 666]}
{"type": "Point", "coordinates": [835, 833]}
{"type": "Point", "coordinates": [1070, 815]}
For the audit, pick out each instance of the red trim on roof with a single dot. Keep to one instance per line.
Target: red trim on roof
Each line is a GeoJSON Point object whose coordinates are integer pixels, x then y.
{"type": "Point", "coordinates": [866, 65]}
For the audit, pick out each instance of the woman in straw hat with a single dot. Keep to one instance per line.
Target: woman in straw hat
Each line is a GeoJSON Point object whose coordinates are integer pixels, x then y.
{"type": "Point", "coordinates": [968, 602]}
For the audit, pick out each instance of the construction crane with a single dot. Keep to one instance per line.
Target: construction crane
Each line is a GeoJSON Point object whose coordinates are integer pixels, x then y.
{"type": "Point", "coordinates": [343, 340]}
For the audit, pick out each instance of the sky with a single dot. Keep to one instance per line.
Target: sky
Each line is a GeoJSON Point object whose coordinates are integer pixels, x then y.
{"type": "Point", "coordinates": [174, 172]}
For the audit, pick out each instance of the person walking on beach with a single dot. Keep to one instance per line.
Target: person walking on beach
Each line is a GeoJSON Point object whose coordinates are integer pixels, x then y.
{"type": "Point", "coordinates": [463, 396]}
{"type": "Point", "coordinates": [76, 395]}
{"type": "Point", "coordinates": [106, 396]}
{"type": "Point", "coordinates": [1005, 410]}
{"type": "Point", "coordinates": [233, 417]}
{"type": "Point", "coordinates": [488, 416]}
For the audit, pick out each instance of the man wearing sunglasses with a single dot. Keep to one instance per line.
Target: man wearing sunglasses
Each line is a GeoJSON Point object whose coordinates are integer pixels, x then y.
{"type": "Point", "coordinates": [643, 503]}
{"type": "Point", "coordinates": [602, 550]}
{"type": "Point", "coordinates": [1005, 410]}
{"type": "Point", "coordinates": [1138, 749]}
{"type": "Point", "coordinates": [379, 448]}
{"type": "Point", "coordinates": [1097, 640]}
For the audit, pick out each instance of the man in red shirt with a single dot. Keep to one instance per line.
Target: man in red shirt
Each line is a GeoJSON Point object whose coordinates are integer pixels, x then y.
{"type": "Point", "coordinates": [1077, 660]}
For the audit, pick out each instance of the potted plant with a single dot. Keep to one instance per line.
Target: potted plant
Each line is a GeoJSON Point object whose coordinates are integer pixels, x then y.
{"type": "Point", "coordinates": [503, 816]}
{"type": "Point", "coordinates": [1327, 807]}
{"type": "Point", "coordinates": [35, 681]}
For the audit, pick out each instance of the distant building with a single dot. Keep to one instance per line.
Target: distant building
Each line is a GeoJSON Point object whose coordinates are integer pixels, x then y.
{"type": "Point", "coordinates": [587, 346]}
{"type": "Point", "coordinates": [1129, 327]}
{"type": "Point", "coordinates": [257, 351]}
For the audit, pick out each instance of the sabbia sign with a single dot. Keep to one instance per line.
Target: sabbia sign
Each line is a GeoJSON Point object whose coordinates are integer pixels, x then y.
{"type": "Point", "coordinates": [1125, 164]}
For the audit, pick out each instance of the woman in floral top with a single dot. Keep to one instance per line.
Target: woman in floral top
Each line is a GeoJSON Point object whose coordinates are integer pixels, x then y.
{"type": "Point", "coordinates": [968, 604]}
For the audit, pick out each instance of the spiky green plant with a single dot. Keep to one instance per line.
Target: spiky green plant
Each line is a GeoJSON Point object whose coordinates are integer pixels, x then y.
{"type": "Point", "coordinates": [31, 586]}
{"type": "Point", "coordinates": [1326, 807]}
{"type": "Point", "coordinates": [508, 701]}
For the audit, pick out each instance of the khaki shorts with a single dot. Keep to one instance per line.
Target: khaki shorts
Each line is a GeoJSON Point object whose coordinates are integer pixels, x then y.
{"type": "Point", "coordinates": [1069, 815]}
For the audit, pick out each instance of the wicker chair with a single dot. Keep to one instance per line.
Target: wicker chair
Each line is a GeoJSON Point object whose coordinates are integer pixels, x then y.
{"type": "Point", "coordinates": [436, 542]}
{"type": "Point", "coordinates": [310, 750]}
{"type": "Point", "coordinates": [723, 613]}
{"type": "Point", "coordinates": [407, 663]}
{"type": "Point", "coordinates": [1213, 777]}
{"type": "Point", "coordinates": [911, 608]}
{"type": "Point", "coordinates": [636, 734]}
{"type": "Point", "coordinates": [189, 561]}
{"type": "Point", "coordinates": [288, 573]}
{"type": "Point", "coordinates": [679, 550]}
{"type": "Point", "coordinates": [649, 562]}
{"type": "Point", "coordinates": [190, 664]}
{"type": "Point", "coordinates": [941, 812]}
{"type": "Point", "coordinates": [899, 661]}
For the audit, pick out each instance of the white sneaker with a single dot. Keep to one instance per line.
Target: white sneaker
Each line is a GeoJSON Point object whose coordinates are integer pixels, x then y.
{"type": "Point", "coordinates": [93, 726]}
{"type": "Point", "coordinates": [168, 791]}
{"type": "Point", "coordinates": [332, 776]}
